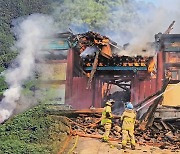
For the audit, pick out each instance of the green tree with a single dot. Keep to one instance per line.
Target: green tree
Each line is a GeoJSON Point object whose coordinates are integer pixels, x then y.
{"type": "Point", "coordinates": [96, 14]}
{"type": "Point", "coordinates": [11, 9]}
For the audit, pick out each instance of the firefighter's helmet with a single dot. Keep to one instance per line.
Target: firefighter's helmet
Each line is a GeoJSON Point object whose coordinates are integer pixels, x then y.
{"type": "Point", "coordinates": [129, 105]}
{"type": "Point", "coordinates": [110, 102]}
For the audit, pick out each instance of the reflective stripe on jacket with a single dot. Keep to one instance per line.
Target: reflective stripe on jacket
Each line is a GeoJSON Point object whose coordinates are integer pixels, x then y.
{"type": "Point", "coordinates": [128, 119]}
{"type": "Point", "coordinates": [104, 118]}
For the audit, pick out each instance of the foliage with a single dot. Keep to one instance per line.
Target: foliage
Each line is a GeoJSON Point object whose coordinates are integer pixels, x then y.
{"type": "Point", "coordinates": [89, 14]}
{"type": "Point", "coordinates": [3, 84]}
{"type": "Point", "coordinates": [34, 131]}
{"type": "Point", "coordinates": [11, 9]}
{"type": "Point", "coordinates": [15, 146]}
{"type": "Point", "coordinates": [80, 12]}
{"type": "Point", "coordinates": [5, 59]}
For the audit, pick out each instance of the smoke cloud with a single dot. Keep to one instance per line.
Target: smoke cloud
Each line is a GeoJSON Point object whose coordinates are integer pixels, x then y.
{"type": "Point", "coordinates": [30, 33]}
{"type": "Point", "coordinates": [138, 21]}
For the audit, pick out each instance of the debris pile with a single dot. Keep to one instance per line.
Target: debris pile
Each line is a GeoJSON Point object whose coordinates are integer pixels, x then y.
{"type": "Point", "coordinates": [164, 134]}
{"type": "Point", "coordinates": [90, 39]}
{"type": "Point", "coordinates": [89, 126]}
{"type": "Point", "coordinates": [88, 44]}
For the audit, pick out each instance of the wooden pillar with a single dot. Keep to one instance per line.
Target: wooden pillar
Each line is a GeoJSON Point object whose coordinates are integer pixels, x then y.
{"type": "Point", "coordinates": [93, 92]}
{"type": "Point", "coordinates": [132, 91]}
{"type": "Point", "coordinates": [160, 70]}
{"type": "Point", "coordinates": [69, 76]}
{"type": "Point", "coordinates": [135, 90]}
{"type": "Point", "coordinates": [147, 88]}
{"type": "Point", "coordinates": [141, 91]}
{"type": "Point", "coordinates": [153, 86]}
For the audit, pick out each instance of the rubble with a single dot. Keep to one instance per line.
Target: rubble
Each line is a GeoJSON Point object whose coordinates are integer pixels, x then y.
{"type": "Point", "coordinates": [164, 133]}
{"type": "Point", "coordinates": [90, 44]}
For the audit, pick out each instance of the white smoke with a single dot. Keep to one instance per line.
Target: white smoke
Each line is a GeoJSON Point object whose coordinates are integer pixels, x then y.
{"type": "Point", "coordinates": [138, 21]}
{"type": "Point", "coordinates": [31, 33]}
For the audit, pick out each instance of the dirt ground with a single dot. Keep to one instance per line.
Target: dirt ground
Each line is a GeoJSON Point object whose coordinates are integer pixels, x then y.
{"type": "Point", "coordinates": [83, 145]}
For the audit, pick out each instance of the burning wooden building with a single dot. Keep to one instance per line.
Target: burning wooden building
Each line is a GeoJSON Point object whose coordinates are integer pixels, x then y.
{"type": "Point", "coordinates": [86, 65]}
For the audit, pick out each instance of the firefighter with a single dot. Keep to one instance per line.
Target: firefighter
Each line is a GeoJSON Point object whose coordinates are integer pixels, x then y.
{"type": "Point", "coordinates": [128, 119]}
{"type": "Point", "coordinates": [106, 119]}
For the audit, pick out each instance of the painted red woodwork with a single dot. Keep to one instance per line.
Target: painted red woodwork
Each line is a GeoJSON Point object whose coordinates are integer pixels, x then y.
{"type": "Point", "coordinates": [160, 71]}
{"type": "Point", "coordinates": [76, 93]}
{"type": "Point", "coordinates": [69, 76]}
{"type": "Point", "coordinates": [98, 94]}
{"type": "Point", "coordinates": [147, 88]}
{"type": "Point", "coordinates": [141, 91]}
{"type": "Point", "coordinates": [132, 91]}
{"type": "Point", "coordinates": [82, 98]}
{"type": "Point", "coordinates": [153, 86]}
{"type": "Point", "coordinates": [135, 90]}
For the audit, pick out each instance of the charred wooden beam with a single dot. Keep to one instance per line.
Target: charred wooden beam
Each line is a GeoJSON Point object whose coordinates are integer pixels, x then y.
{"type": "Point", "coordinates": [93, 70]}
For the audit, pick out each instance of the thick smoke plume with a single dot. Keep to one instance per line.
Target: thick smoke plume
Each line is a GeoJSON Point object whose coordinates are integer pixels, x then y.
{"type": "Point", "coordinates": [138, 21]}
{"type": "Point", "coordinates": [30, 33]}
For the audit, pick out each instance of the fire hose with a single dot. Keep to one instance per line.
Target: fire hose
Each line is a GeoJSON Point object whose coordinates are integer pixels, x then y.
{"type": "Point", "coordinates": [75, 144]}
{"type": "Point", "coordinates": [75, 132]}
{"type": "Point", "coordinates": [90, 125]}
{"type": "Point", "coordinates": [77, 135]}
{"type": "Point", "coordinates": [66, 142]}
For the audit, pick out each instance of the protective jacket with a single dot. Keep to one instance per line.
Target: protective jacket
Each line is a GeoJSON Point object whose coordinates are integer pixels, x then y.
{"type": "Point", "coordinates": [128, 119]}
{"type": "Point", "coordinates": [106, 115]}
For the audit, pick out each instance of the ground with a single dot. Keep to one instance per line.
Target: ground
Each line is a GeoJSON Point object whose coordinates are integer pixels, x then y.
{"type": "Point", "coordinates": [95, 146]}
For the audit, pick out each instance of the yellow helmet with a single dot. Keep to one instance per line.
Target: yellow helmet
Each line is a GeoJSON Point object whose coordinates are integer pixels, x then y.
{"type": "Point", "coordinates": [110, 102]}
